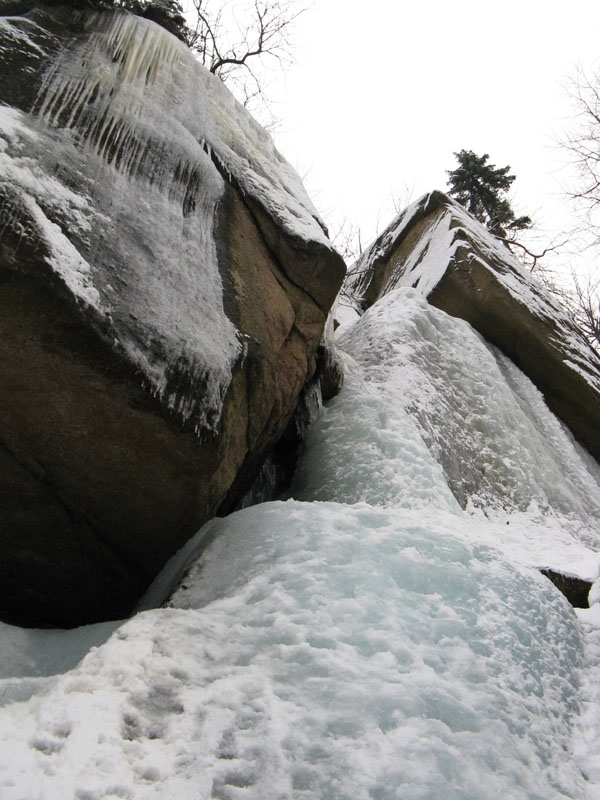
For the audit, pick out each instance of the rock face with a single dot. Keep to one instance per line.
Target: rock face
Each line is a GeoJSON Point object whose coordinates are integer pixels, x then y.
{"type": "Point", "coordinates": [164, 284]}
{"type": "Point", "coordinates": [436, 247]}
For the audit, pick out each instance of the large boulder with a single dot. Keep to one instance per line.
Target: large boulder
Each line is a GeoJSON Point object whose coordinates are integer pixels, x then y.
{"type": "Point", "coordinates": [164, 284]}
{"type": "Point", "coordinates": [438, 248]}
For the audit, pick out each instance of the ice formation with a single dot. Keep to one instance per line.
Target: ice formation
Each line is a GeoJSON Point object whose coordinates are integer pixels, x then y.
{"type": "Point", "coordinates": [327, 651]}
{"type": "Point", "coordinates": [135, 73]}
{"type": "Point", "coordinates": [382, 635]}
{"type": "Point", "coordinates": [430, 376]}
{"type": "Point", "coordinates": [387, 639]}
{"type": "Point", "coordinates": [436, 416]}
{"type": "Point", "coordinates": [120, 167]}
{"type": "Point", "coordinates": [447, 231]}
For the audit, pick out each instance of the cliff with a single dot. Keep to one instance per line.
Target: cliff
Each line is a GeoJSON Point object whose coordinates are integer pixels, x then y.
{"type": "Point", "coordinates": [164, 284]}
{"type": "Point", "coordinates": [436, 247]}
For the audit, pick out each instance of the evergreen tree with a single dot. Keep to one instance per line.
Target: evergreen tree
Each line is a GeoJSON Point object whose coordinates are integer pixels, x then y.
{"type": "Point", "coordinates": [479, 187]}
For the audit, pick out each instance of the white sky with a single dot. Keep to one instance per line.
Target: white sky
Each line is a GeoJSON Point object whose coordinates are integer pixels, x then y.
{"type": "Point", "coordinates": [382, 93]}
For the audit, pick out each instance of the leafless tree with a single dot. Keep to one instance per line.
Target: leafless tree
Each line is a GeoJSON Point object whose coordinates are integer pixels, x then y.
{"type": "Point", "coordinates": [583, 146]}
{"type": "Point", "coordinates": [346, 238]}
{"type": "Point", "coordinates": [585, 306]}
{"type": "Point", "coordinates": [235, 40]}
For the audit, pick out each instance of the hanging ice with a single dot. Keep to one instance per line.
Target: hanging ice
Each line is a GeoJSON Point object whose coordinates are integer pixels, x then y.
{"type": "Point", "coordinates": [435, 416]}
{"type": "Point", "coordinates": [121, 167]}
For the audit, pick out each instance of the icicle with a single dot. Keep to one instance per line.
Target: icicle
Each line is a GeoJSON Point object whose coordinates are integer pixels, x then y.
{"type": "Point", "coordinates": [129, 70]}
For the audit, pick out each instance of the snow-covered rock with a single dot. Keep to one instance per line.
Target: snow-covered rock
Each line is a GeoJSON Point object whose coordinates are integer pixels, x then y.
{"type": "Point", "coordinates": [438, 248]}
{"type": "Point", "coordinates": [385, 634]}
{"type": "Point", "coordinates": [165, 284]}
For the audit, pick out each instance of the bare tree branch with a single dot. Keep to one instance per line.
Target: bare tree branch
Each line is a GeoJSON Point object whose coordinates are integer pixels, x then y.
{"type": "Point", "coordinates": [583, 145]}
{"type": "Point", "coordinates": [534, 257]}
{"type": "Point", "coordinates": [255, 31]}
{"type": "Point", "coordinates": [348, 242]}
{"type": "Point", "coordinates": [585, 306]}
{"type": "Point", "coordinates": [236, 40]}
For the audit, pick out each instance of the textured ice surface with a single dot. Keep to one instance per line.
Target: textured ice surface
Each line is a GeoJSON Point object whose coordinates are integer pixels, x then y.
{"type": "Point", "coordinates": [128, 75]}
{"type": "Point", "coordinates": [390, 641]}
{"type": "Point", "coordinates": [120, 168]}
{"type": "Point", "coordinates": [453, 227]}
{"type": "Point", "coordinates": [352, 650]}
{"type": "Point", "coordinates": [319, 650]}
{"type": "Point", "coordinates": [367, 447]}
{"type": "Point", "coordinates": [434, 415]}
{"type": "Point", "coordinates": [588, 741]}
{"type": "Point", "coordinates": [29, 657]}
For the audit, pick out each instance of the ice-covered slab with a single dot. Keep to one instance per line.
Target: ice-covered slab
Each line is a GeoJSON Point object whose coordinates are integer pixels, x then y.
{"type": "Point", "coordinates": [438, 248]}
{"type": "Point", "coordinates": [127, 132]}
{"type": "Point", "coordinates": [165, 285]}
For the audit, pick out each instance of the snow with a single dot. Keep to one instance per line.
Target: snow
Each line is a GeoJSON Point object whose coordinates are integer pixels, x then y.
{"type": "Point", "coordinates": [451, 227]}
{"type": "Point", "coordinates": [588, 744]}
{"type": "Point", "coordinates": [329, 651]}
{"type": "Point", "coordinates": [121, 167]}
{"type": "Point", "coordinates": [382, 438]}
{"type": "Point", "coordinates": [429, 391]}
{"type": "Point", "coordinates": [15, 36]}
{"type": "Point", "coordinates": [37, 191]}
{"type": "Point", "coordinates": [136, 73]}
{"type": "Point", "coordinates": [384, 636]}
{"type": "Point", "coordinates": [29, 658]}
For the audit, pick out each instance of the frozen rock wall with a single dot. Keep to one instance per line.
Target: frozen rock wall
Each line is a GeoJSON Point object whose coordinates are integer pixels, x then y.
{"type": "Point", "coordinates": [431, 415]}
{"type": "Point", "coordinates": [382, 635]}
{"type": "Point", "coordinates": [164, 286]}
{"type": "Point", "coordinates": [436, 247]}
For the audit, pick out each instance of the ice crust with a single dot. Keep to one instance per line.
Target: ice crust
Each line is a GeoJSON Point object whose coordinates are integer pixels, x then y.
{"type": "Point", "coordinates": [319, 651]}
{"type": "Point", "coordinates": [121, 167]}
{"type": "Point", "coordinates": [385, 637]}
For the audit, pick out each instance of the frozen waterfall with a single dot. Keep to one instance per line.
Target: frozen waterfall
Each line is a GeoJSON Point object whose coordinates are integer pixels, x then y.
{"type": "Point", "coordinates": [382, 635]}
{"type": "Point", "coordinates": [120, 169]}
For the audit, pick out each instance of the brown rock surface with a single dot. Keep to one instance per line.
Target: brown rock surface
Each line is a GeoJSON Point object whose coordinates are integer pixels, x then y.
{"type": "Point", "coordinates": [164, 283]}
{"type": "Point", "coordinates": [436, 247]}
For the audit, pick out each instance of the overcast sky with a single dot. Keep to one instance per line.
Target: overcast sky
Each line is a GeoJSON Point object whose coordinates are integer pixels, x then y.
{"type": "Point", "coordinates": [381, 94]}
